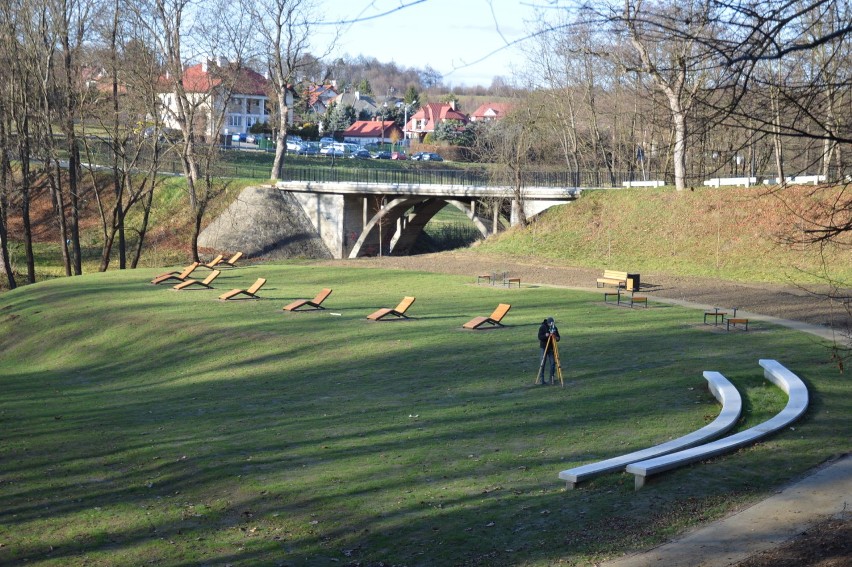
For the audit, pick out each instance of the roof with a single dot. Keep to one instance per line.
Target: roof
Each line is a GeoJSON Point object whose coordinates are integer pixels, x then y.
{"type": "Point", "coordinates": [202, 78]}
{"type": "Point", "coordinates": [434, 113]}
{"type": "Point", "coordinates": [491, 111]}
{"type": "Point", "coordinates": [371, 129]}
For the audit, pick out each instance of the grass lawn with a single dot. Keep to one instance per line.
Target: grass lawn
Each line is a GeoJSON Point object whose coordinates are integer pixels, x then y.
{"type": "Point", "coordinates": [141, 425]}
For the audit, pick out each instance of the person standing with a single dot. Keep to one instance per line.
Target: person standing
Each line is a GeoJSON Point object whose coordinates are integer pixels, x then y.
{"type": "Point", "coordinates": [548, 336]}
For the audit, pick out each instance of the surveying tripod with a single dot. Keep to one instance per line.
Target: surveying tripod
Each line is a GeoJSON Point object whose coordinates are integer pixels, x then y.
{"type": "Point", "coordinates": [551, 343]}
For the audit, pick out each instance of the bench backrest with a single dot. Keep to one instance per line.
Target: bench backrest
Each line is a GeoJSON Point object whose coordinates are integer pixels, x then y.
{"type": "Point", "coordinates": [404, 304]}
{"type": "Point", "coordinates": [615, 275]}
{"type": "Point", "coordinates": [500, 312]}
{"type": "Point", "coordinates": [214, 261]}
{"type": "Point", "coordinates": [211, 276]}
{"type": "Point", "coordinates": [256, 285]}
{"type": "Point", "coordinates": [188, 270]}
{"type": "Point", "coordinates": [321, 296]}
{"type": "Point", "coordinates": [234, 258]}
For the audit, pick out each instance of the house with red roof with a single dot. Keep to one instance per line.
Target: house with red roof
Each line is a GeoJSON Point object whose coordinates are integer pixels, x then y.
{"type": "Point", "coordinates": [490, 111]}
{"type": "Point", "coordinates": [372, 132]}
{"type": "Point", "coordinates": [430, 115]}
{"type": "Point", "coordinates": [210, 83]}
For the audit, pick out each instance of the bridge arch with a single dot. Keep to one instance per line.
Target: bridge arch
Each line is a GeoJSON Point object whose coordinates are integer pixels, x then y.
{"type": "Point", "coordinates": [396, 224]}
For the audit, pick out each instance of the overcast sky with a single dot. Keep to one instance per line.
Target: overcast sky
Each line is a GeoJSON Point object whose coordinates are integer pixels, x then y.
{"type": "Point", "coordinates": [457, 38]}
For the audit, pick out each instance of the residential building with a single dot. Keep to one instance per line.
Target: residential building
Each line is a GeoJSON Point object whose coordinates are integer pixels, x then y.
{"type": "Point", "coordinates": [362, 104]}
{"type": "Point", "coordinates": [372, 132]}
{"type": "Point", "coordinates": [490, 111]}
{"type": "Point", "coordinates": [209, 84]}
{"type": "Point", "coordinates": [429, 116]}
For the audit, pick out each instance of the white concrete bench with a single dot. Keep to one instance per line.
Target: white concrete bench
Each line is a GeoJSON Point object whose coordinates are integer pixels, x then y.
{"type": "Point", "coordinates": [656, 183]}
{"type": "Point", "coordinates": [731, 181]}
{"type": "Point", "coordinates": [815, 179]}
{"type": "Point", "coordinates": [797, 403]}
{"type": "Point", "coordinates": [721, 389]}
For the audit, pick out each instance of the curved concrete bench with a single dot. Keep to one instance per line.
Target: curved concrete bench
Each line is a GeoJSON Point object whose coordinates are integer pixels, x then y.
{"type": "Point", "coordinates": [797, 403]}
{"type": "Point", "coordinates": [721, 389]}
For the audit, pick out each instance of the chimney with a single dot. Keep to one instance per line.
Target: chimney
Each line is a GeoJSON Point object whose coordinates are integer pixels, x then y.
{"type": "Point", "coordinates": [204, 64]}
{"type": "Point", "coordinates": [453, 104]}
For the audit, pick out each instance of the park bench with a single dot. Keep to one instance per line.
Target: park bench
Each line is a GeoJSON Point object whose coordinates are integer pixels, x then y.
{"type": "Point", "coordinates": [507, 281]}
{"type": "Point", "coordinates": [612, 277]}
{"type": "Point", "coordinates": [797, 403]}
{"type": "Point", "coordinates": [621, 280]}
{"type": "Point", "coordinates": [655, 183]}
{"type": "Point", "coordinates": [736, 321]}
{"type": "Point", "coordinates": [727, 395]}
{"type": "Point", "coordinates": [731, 181]}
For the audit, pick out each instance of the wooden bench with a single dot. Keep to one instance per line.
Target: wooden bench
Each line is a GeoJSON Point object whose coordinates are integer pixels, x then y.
{"type": "Point", "coordinates": [634, 299]}
{"type": "Point", "coordinates": [716, 313]}
{"type": "Point", "coordinates": [797, 403]}
{"type": "Point", "coordinates": [614, 278]}
{"type": "Point", "coordinates": [655, 183]}
{"type": "Point", "coordinates": [486, 277]}
{"type": "Point", "coordinates": [736, 321]}
{"type": "Point", "coordinates": [509, 281]}
{"type": "Point", "coordinates": [732, 404]}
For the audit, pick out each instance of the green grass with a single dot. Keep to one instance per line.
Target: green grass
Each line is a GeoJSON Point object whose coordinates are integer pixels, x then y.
{"type": "Point", "coordinates": [141, 425]}
{"type": "Point", "coordinates": [738, 234]}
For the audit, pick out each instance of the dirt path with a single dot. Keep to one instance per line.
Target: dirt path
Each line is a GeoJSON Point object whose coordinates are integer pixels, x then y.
{"type": "Point", "coordinates": [785, 302]}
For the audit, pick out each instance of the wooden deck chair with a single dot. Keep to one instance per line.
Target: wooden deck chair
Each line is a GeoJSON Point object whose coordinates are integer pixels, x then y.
{"type": "Point", "coordinates": [493, 319]}
{"type": "Point", "coordinates": [205, 283]}
{"type": "Point", "coordinates": [250, 292]}
{"type": "Point", "coordinates": [212, 263]}
{"type": "Point", "coordinates": [232, 261]}
{"type": "Point", "coordinates": [179, 276]}
{"type": "Point", "coordinates": [398, 311]}
{"type": "Point", "coordinates": [316, 302]}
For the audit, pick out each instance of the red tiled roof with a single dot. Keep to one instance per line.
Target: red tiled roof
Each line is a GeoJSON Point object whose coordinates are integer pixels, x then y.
{"type": "Point", "coordinates": [247, 81]}
{"type": "Point", "coordinates": [370, 129]}
{"type": "Point", "coordinates": [492, 110]}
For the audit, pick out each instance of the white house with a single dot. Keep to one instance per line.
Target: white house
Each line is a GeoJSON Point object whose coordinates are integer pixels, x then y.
{"type": "Point", "coordinates": [206, 84]}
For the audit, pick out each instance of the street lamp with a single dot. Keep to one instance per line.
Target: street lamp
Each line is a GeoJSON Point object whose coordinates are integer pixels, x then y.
{"type": "Point", "coordinates": [384, 109]}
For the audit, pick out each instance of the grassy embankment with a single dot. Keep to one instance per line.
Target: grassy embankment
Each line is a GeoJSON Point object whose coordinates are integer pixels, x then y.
{"type": "Point", "coordinates": [739, 234]}
{"type": "Point", "coordinates": [144, 425]}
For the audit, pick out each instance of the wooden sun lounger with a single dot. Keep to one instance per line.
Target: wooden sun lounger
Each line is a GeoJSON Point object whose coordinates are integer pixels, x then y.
{"type": "Point", "coordinates": [212, 263]}
{"type": "Point", "coordinates": [250, 292]}
{"type": "Point", "coordinates": [232, 261]}
{"type": "Point", "coordinates": [493, 319]}
{"type": "Point", "coordinates": [316, 302]}
{"type": "Point", "coordinates": [179, 276]}
{"type": "Point", "coordinates": [205, 283]}
{"type": "Point", "coordinates": [398, 311]}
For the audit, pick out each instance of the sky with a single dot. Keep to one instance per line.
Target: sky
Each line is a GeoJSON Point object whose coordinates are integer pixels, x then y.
{"type": "Point", "coordinates": [457, 38]}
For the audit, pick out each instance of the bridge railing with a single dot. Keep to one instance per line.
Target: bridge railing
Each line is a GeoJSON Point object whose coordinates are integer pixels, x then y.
{"type": "Point", "coordinates": [450, 177]}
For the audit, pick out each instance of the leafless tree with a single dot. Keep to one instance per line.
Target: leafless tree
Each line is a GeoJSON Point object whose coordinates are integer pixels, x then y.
{"type": "Point", "coordinates": [283, 30]}
{"type": "Point", "coordinates": [182, 32]}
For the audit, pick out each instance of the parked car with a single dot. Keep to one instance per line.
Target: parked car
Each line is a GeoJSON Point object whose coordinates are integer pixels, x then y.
{"type": "Point", "coordinates": [309, 149]}
{"type": "Point", "coordinates": [326, 141]}
{"type": "Point", "coordinates": [360, 154]}
{"type": "Point", "coordinates": [293, 147]}
{"type": "Point", "coordinates": [384, 154]}
{"type": "Point", "coordinates": [427, 156]}
{"type": "Point", "coordinates": [399, 155]}
{"type": "Point", "coordinates": [241, 137]}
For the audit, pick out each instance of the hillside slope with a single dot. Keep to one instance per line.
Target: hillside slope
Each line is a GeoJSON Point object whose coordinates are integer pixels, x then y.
{"type": "Point", "coordinates": [742, 234]}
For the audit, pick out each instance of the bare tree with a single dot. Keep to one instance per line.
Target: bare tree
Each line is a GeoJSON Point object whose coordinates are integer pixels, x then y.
{"type": "Point", "coordinates": [283, 29]}
{"type": "Point", "coordinates": [198, 107]}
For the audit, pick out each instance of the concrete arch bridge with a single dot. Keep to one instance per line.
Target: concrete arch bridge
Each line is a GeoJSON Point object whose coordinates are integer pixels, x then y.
{"type": "Point", "coordinates": [368, 219]}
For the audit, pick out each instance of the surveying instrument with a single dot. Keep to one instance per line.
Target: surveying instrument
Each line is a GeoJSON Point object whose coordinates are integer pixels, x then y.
{"type": "Point", "coordinates": [554, 344]}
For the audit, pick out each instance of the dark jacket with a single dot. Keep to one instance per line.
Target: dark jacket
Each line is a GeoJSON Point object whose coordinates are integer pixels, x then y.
{"type": "Point", "coordinates": [543, 332]}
